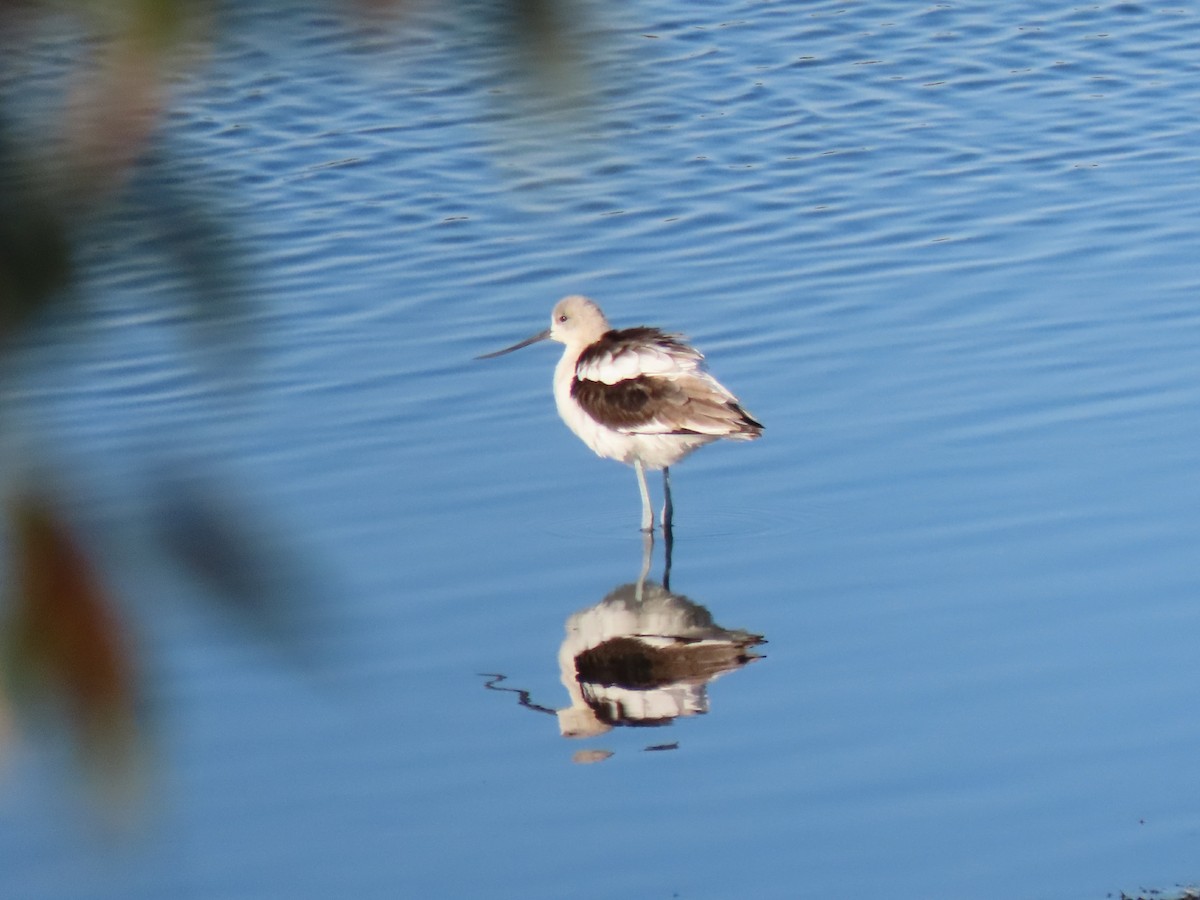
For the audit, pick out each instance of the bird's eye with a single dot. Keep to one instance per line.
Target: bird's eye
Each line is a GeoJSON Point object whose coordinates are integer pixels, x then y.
{"type": "Point", "coordinates": [562, 319]}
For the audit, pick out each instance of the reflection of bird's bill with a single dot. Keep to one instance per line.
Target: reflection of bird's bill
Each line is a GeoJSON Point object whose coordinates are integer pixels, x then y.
{"type": "Point", "coordinates": [532, 339]}
{"type": "Point", "coordinates": [586, 757]}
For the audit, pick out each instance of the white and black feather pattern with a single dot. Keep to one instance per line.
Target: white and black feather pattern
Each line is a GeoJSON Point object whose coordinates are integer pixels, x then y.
{"type": "Point", "coordinates": [645, 381]}
{"type": "Point", "coordinates": [630, 352]}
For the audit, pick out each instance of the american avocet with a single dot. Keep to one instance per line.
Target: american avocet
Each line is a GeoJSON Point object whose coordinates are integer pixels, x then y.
{"type": "Point", "coordinates": [644, 656]}
{"type": "Point", "coordinates": [636, 395]}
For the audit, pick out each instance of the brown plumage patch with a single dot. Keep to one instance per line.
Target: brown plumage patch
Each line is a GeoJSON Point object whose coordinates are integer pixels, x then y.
{"type": "Point", "coordinates": [637, 402]}
{"type": "Point", "coordinates": [626, 662]}
{"type": "Point", "coordinates": [626, 404]}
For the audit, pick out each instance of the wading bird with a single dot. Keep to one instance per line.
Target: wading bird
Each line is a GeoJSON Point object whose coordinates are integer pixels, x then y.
{"type": "Point", "coordinates": [636, 395]}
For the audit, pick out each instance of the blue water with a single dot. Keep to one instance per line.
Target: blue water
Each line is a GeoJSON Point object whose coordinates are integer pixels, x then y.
{"type": "Point", "coordinates": [945, 253]}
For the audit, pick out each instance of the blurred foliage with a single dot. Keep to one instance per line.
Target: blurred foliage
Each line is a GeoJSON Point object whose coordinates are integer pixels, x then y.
{"type": "Point", "coordinates": [34, 251]}
{"type": "Point", "coordinates": [87, 144]}
{"type": "Point", "coordinates": [68, 654]}
{"type": "Point", "coordinates": [65, 166]}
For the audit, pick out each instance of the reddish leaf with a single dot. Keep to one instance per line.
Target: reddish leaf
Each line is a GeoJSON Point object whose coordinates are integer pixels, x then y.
{"type": "Point", "coordinates": [70, 650]}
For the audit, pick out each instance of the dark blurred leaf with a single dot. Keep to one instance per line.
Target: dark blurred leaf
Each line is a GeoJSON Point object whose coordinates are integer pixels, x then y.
{"type": "Point", "coordinates": [34, 249]}
{"type": "Point", "coordinates": [198, 239]}
{"type": "Point", "coordinates": [34, 261]}
{"type": "Point", "coordinates": [218, 548]}
{"type": "Point", "coordinates": [222, 543]}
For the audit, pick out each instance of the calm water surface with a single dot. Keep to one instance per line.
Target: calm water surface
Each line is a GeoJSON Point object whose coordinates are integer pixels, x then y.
{"type": "Point", "coordinates": [945, 252]}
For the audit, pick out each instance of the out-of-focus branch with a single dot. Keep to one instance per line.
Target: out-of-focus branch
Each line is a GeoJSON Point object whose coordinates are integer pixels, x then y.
{"type": "Point", "coordinates": [63, 166]}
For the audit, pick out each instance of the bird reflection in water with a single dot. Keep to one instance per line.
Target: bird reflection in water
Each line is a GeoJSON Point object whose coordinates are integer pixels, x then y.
{"type": "Point", "coordinates": [641, 657]}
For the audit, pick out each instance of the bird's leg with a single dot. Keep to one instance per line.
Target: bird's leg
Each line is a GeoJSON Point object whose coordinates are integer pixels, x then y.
{"type": "Point", "coordinates": [647, 510]}
{"type": "Point", "coordinates": [647, 555]}
{"type": "Point", "coordinates": [668, 513]}
{"type": "Point", "coordinates": [668, 546]}
{"type": "Point", "coordinates": [668, 516]}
